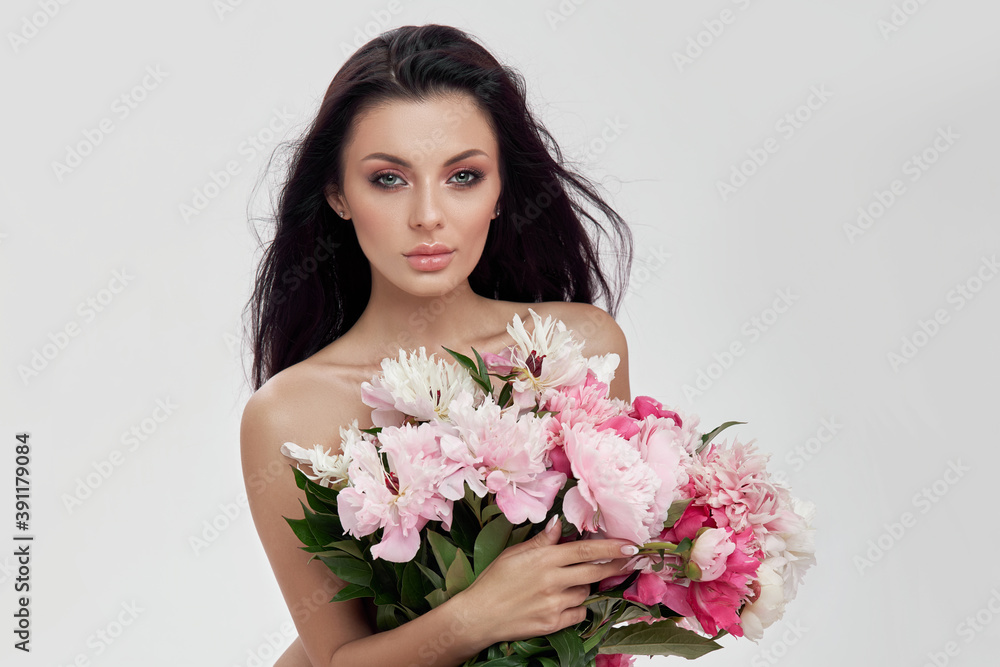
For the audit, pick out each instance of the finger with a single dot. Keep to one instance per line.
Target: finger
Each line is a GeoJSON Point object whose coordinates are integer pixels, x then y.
{"type": "Point", "coordinates": [575, 595]}
{"type": "Point", "coordinates": [583, 551]}
{"type": "Point", "coordinates": [588, 573]}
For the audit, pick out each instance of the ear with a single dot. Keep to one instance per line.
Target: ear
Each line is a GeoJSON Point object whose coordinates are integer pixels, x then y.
{"type": "Point", "coordinates": [336, 201]}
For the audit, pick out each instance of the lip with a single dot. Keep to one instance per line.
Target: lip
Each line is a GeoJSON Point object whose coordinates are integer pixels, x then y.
{"type": "Point", "coordinates": [430, 262]}
{"type": "Point", "coordinates": [429, 249]}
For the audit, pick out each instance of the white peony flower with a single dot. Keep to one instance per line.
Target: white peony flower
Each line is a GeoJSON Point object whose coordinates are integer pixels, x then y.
{"type": "Point", "coordinates": [604, 366]}
{"type": "Point", "coordinates": [767, 608]}
{"type": "Point", "coordinates": [793, 550]}
{"type": "Point", "coordinates": [328, 470]}
{"type": "Point", "coordinates": [547, 357]}
{"type": "Point", "coordinates": [415, 385]}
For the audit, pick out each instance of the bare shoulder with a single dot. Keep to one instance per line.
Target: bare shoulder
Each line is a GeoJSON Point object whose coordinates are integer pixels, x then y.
{"type": "Point", "coordinates": [307, 403]}
{"type": "Point", "coordinates": [593, 324]}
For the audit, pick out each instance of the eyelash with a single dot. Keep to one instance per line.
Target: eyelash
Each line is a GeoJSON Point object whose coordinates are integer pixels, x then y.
{"type": "Point", "coordinates": [376, 178]}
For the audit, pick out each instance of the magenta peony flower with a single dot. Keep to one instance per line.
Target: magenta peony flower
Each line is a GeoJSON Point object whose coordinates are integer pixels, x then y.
{"type": "Point", "coordinates": [710, 603]}
{"type": "Point", "coordinates": [615, 660]}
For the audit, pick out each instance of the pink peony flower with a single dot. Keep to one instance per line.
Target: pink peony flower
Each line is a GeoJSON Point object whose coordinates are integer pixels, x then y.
{"type": "Point", "coordinates": [402, 499]}
{"type": "Point", "coordinates": [615, 660]}
{"type": "Point", "coordinates": [682, 426]}
{"type": "Point", "coordinates": [734, 483]}
{"type": "Point", "coordinates": [710, 553]}
{"type": "Point", "coordinates": [586, 402]}
{"type": "Point", "coordinates": [503, 454]}
{"type": "Point", "coordinates": [615, 487]}
{"type": "Point", "coordinates": [660, 447]}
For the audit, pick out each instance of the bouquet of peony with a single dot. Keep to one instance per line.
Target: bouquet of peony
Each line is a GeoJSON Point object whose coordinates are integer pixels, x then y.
{"type": "Point", "coordinates": [413, 509]}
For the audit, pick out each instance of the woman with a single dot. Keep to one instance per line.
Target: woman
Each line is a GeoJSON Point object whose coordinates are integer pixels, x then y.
{"type": "Point", "coordinates": [422, 208]}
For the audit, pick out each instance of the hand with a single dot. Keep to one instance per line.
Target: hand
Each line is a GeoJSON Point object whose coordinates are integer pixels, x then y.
{"type": "Point", "coordinates": [538, 587]}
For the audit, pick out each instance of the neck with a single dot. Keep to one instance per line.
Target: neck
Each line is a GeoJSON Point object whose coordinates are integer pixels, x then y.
{"type": "Point", "coordinates": [394, 319]}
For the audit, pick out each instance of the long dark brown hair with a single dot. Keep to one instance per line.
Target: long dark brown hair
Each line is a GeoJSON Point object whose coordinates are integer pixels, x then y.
{"type": "Point", "coordinates": [313, 281]}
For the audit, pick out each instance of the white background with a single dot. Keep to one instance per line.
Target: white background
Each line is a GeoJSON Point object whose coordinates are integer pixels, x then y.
{"type": "Point", "coordinates": [705, 266]}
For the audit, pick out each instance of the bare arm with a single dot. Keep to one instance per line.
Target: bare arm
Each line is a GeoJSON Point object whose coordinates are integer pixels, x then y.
{"type": "Point", "coordinates": [337, 633]}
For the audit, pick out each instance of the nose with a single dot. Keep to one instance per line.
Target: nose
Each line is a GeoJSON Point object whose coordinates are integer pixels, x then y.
{"type": "Point", "coordinates": [426, 211]}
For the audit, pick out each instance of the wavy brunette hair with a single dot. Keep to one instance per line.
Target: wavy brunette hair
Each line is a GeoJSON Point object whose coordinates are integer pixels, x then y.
{"type": "Point", "coordinates": [313, 281]}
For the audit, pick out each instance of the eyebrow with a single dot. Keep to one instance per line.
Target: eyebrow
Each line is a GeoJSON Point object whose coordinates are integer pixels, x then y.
{"type": "Point", "coordinates": [403, 163]}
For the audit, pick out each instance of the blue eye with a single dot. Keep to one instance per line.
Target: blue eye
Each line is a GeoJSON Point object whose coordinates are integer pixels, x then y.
{"type": "Point", "coordinates": [469, 183]}
{"type": "Point", "coordinates": [471, 177]}
{"type": "Point", "coordinates": [378, 182]}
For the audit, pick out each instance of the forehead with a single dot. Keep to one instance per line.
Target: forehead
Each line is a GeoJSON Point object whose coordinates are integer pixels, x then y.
{"type": "Point", "coordinates": [428, 131]}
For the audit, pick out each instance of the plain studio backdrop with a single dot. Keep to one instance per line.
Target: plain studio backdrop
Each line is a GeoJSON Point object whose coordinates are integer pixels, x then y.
{"type": "Point", "coordinates": [813, 189]}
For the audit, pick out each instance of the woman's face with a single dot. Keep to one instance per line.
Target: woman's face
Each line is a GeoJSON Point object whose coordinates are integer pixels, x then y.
{"type": "Point", "coordinates": [421, 173]}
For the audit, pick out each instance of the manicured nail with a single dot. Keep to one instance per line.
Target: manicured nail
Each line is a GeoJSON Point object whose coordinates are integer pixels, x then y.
{"type": "Point", "coordinates": [630, 550]}
{"type": "Point", "coordinates": [551, 524]}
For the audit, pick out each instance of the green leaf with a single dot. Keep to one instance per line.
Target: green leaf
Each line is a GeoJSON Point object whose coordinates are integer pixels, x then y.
{"type": "Point", "coordinates": [506, 394]}
{"type": "Point", "coordinates": [325, 527]}
{"type": "Point", "coordinates": [547, 662]}
{"type": "Point", "coordinates": [351, 591]}
{"type": "Point", "coordinates": [443, 550]}
{"type": "Point", "coordinates": [302, 531]}
{"type": "Point", "coordinates": [484, 373]}
{"type": "Point", "coordinates": [300, 477]}
{"type": "Point", "coordinates": [633, 611]}
{"type": "Point", "coordinates": [414, 587]}
{"type": "Point", "coordinates": [386, 580]}
{"type": "Point", "coordinates": [319, 505]}
{"type": "Point", "coordinates": [436, 580]}
{"type": "Point", "coordinates": [569, 647]}
{"type": "Point", "coordinates": [529, 647]}
{"type": "Point", "coordinates": [659, 638]}
{"type": "Point", "coordinates": [464, 527]}
{"type": "Point", "coordinates": [490, 511]}
{"type": "Point", "coordinates": [707, 437]}
{"type": "Point", "coordinates": [474, 502]}
{"type": "Point", "coordinates": [595, 639]}
{"type": "Point", "coordinates": [463, 360]}
{"type": "Point", "coordinates": [324, 493]}
{"type": "Point", "coordinates": [351, 570]}
{"type": "Point", "coordinates": [470, 366]}
{"type": "Point", "coordinates": [436, 597]}
{"type": "Point", "coordinates": [491, 541]}
{"type": "Point", "coordinates": [495, 651]}
{"type": "Point", "coordinates": [676, 510]}
{"type": "Point", "coordinates": [386, 618]}
{"type": "Point", "coordinates": [508, 661]}
{"type": "Point", "coordinates": [347, 546]}
{"type": "Point", "coordinates": [460, 575]}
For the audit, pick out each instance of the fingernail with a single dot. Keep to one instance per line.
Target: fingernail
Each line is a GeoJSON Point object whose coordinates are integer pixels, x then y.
{"type": "Point", "coordinates": [551, 524]}
{"type": "Point", "coordinates": [630, 550]}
